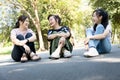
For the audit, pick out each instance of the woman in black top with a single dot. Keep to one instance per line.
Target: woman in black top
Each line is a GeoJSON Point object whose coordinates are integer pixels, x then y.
{"type": "Point", "coordinates": [58, 36]}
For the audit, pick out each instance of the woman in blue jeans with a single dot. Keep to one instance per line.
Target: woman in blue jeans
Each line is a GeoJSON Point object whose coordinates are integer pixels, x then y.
{"type": "Point", "coordinates": [23, 39]}
{"type": "Point", "coordinates": [98, 37]}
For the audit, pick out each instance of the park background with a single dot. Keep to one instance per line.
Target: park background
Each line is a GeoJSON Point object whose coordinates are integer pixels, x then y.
{"type": "Point", "coordinates": [76, 14]}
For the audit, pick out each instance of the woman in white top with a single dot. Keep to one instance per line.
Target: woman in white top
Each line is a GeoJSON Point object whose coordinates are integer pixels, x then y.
{"type": "Point", "coordinates": [23, 39]}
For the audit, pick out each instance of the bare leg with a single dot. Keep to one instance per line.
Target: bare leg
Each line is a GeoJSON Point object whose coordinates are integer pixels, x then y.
{"type": "Point", "coordinates": [24, 58]}
{"type": "Point", "coordinates": [56, 53]}
{"type": "Point", "coordinates": [34, 56]}
{"type": "Point", "coordinates": [86, 47]}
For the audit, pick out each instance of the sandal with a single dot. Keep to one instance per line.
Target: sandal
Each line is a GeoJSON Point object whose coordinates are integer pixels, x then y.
{"type": "Point", "coordinates": [24, 58]}
{"type": "Point", "coordinates": [34, 57]}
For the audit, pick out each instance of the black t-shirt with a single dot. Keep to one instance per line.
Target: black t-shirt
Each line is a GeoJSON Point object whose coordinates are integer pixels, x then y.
{"type": "Point", "coordinates": [62, 29]}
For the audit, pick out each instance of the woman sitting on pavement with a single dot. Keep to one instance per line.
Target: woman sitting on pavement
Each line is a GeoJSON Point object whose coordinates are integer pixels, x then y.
{"type": "Point", "coordinates": [98, 37]}
{"type": "Point", "coordinates": [23, 39]}
{"type": "Point", "coordinates": [58, 36]}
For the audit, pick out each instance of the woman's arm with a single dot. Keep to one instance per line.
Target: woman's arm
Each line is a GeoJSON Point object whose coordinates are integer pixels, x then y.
{"type": "Point", "coordinates": [17, 41]}
{"type": "Point", "coordinates": [32, 38]}
{"type": "Point", "coordinates": [21, 42]}
{"type": "Point", "coordinates": [65, 35]}
{"type": "Point", "coordinates": [100, 36]}
{"type": "Point", "coordinates": [62, 34]}
{"type": "Point", "coordinates": [52, 36]}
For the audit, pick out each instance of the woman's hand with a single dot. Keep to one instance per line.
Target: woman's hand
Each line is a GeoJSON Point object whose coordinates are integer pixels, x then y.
{"type": "Point", "coordinates": [27, 49]}
{"type": "Point", "coordinates": [86, 41]}
{"type": "Point", "coordinates": [63, 34]}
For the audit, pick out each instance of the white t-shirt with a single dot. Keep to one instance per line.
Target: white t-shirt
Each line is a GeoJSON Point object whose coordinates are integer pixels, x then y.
{"type": "Point", "coordinates": [16, 32]}
{"type": "Point", "coordinates": [109, 28]}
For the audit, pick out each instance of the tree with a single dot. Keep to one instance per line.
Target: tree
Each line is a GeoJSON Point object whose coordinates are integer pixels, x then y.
{"type": "Point", "coordinates": [30, 7]}
{"type": "Point", "coordinates": [38, 10]}
{"type": "Point", "coordinates": [7, 17]}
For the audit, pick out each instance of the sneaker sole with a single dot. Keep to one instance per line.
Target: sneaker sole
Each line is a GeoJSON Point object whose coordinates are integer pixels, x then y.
{"type": "Point", "coordinates": [54, 58]}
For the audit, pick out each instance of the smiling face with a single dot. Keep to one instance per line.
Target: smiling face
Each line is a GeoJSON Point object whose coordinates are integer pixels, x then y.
{"type": "Point", "coordinates": [96, 18]}
{"type": "Point", "coordinates": [52, 21]}
{"type": "Point", "coordinates": [25, 24]}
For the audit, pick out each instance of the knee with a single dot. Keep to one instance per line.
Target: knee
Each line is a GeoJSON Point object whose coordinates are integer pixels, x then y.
{"type": "Point", "coordinates": [89, 29]}
{"type": "Point", "coordinates": [20, 37]}
{"type": "Point", "coordinates": [28, 35]}
{"type": "Point", "coordinates": [62, 40]}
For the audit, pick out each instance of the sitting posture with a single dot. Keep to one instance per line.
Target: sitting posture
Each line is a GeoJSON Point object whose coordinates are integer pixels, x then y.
{"type": "Point", "coordinates": [98, 37]}
{"type": "Point", "coordinates": [23, 39]}
{"type": "Point", "coordinates": [58, 36]}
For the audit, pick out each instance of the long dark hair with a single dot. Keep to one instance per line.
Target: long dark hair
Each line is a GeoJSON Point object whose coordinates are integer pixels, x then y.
{"type": "Point", "coordinates": [56, 17]}
{"type": "Point", "coordinates": [104, 14]}
{"type": "Point", "coordinates": [20, 18]}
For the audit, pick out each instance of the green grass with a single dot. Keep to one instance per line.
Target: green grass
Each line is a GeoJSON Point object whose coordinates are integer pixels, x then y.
{"type": "Point", "coordinates": [5, 50]}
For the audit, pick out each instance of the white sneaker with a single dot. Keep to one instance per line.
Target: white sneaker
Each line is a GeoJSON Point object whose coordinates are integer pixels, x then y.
{"type": "Point", "coordinates": [67, 54]}
{"type": "Point", "coordinates": [91, 53]}
{"type": "Point", "coordinates": [55, 55]}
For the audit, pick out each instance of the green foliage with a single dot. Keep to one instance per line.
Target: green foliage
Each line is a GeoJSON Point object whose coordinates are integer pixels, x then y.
{"type": "Point", "coordinates": [5, 50]}
{"type": "Point", "coordinates": [69, 11]}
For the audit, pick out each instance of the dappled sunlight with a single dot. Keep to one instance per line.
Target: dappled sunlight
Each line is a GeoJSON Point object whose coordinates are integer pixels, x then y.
{"type": "Point", "coordinates": [7, 63]}
{"type": "Point", "coordinates": [16, 70]}
{"type": "Point", "coordinates": [54, 61]}
{"type": "Point", "coordinates": [109, 60]}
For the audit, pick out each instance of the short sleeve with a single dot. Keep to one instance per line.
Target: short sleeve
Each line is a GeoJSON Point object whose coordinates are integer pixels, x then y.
{"type": "Point", "coordinates": [66, 29]}
{"type": "Point", "coordinates": [109, 28]}
{"type": "Point", "coordinates": [13, 33]}
{"type": "Point", "coordinates": [30, 31]}
{"type": "Point", "coordinates": [50, 32]}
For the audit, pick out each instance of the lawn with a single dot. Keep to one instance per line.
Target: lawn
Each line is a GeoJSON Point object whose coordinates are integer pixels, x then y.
{"type": "Point", "coordinates": [5, 50]}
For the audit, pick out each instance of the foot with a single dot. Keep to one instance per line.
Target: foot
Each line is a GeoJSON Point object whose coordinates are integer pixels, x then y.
{"type": "Point", "coordinates": [55, 55]}
{"type": "Point", "coordinates": [34, 57]}
{"type": "Point", "coordinates": [24, 58]}
{"type": "Point", "coordinates": [67, 54]}
{"type": "Point", "coordinates": [91, 53]}
{"type": "Point", "coordinates": [86, 47]}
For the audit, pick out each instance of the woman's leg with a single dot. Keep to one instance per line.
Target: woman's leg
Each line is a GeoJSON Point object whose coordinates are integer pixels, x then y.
{"type": "Point", "coordinates": [30, 44]}
{"type": "Point", "coordinates": [57, 51]}
{"type": "Point", "coordinates": [89, 32]}
{"type": "Point", "coordinates": [18, 51]}
{"type": "Point", "coordinates": [104, 46]}
{"type": "Point", "coordinates": [67, 49]}
{"type": "Point", "coordinates": [33, 55]}
{"type": "Point", "coordinates": [93, 43]}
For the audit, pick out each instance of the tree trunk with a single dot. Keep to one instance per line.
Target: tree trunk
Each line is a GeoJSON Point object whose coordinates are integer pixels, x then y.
{"type": "Point", "coordinates": [113, 35]}
{"type": "Point", "coordinates": [37, 24]}
{"type": "Point", "coordinates": [40, 38]}
{"type": "Point", "coordinates": [35, 21]}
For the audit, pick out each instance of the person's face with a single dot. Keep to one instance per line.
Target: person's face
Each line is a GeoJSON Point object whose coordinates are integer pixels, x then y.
{"type": "Point", "coordinates": [25, 23]}
{"type": "Point", "coordinates": [52, 21]}
{"type": "Point", "coordinates": [96, 19]}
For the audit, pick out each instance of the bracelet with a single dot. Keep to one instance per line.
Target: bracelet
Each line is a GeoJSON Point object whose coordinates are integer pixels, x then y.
{"type": "Point", "coordinates": [27, 40]}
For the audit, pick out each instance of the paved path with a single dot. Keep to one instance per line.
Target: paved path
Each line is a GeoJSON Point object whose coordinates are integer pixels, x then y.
{"type": "Point", "coordinates": [103, 67]}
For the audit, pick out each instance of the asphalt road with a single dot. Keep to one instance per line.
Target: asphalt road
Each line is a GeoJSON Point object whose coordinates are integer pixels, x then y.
{"type": "Point", "coordinates": [103, 67]}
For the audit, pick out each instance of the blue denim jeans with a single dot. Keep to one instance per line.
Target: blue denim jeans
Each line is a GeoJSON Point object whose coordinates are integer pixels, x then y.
{"type": "Point", "coordinates": [102, 45]}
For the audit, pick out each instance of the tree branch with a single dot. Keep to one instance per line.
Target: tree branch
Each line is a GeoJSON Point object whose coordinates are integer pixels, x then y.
{"type": "Point", "coordinates": [22, 8]}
